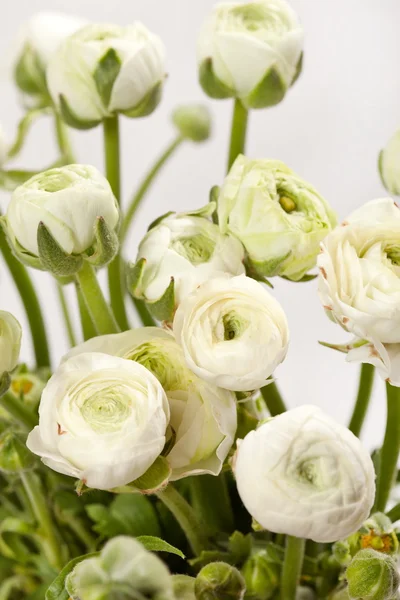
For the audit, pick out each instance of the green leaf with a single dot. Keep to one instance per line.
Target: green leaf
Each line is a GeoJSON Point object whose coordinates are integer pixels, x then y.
{"type": "Point", "coordinates": [209, 556]}
{"type": "Point", "coordinates": [5, 381]}
{"type": "Point", "coordinates": [156, 544]}
{"type": "Point", "coordinates": [13, 534]}
{"type": "Point", "coordinates": [210, 83]}
{"type": "Point", "coordinates": [240, 547]}
{"type": "Point", "coordinates": [106, 73]}
{"type": "Point", "coordinates": [163, 309]}
{"type": "Point", "coordinates": [57, 590]}
{"type": "Point", "coordinates": [53, 257]}
{"type": "Point", "coordinates": [270, 91]}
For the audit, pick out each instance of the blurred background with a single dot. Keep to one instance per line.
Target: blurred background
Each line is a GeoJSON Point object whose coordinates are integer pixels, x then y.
{"type": "Point", "coordinates": [329, 129]}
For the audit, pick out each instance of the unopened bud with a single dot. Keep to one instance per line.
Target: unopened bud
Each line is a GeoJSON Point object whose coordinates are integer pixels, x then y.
{"type": "Point", "coordinates": [219, 581]}
{"type": "Point", "coordinates": [14, 455]}
{"type": "Point", "coordinates": [183, 587]}
{"type": "Point", "coordinates": [193, 122]}
{"type": "Point", "coordinates": [261, 576]}
{"type": "Point", "coordinates": [372, 575]}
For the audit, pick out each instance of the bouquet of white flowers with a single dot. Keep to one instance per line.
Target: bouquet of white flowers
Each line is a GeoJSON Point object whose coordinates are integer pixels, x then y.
{"type": "Point", "coordinates": [172, 437]}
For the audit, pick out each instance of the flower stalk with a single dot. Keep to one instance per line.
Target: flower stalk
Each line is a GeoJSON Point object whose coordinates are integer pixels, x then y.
{"type": "Point", "coordinates": [273, 399]}
{"type": "Point", "coordinates": [102, 317]}
{"type": "Point", "coordinates": [367, 373]}
{"type": "Point", "coordinates": [292, 566]}
{"type": "Point", "coordinates": [238, 132]}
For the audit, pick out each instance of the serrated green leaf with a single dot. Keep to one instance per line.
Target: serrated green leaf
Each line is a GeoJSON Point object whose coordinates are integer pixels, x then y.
{"type": "Point", "coordinates": [128, 514]}
{"type": "Point", "coordinates": [156, 544]}
{"type": "Point", "coordinates": [163, 309]}
{"type": "Point", "coordinates": [106, 73]}
{"type": "Point", "coordinates": [57, 590]}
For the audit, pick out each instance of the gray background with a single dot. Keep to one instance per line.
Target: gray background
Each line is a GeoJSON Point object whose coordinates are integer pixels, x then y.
{"type": "Point", "coordinates": [329, 129]}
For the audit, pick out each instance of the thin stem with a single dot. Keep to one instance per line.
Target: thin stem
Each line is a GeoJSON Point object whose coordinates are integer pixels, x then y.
{"type": "Point", "coordinates": [144, 315]}
{"type": "Point", "coordinates": [63, 139]}
{"type": "Point", "coordinates": [50, 541]}
{"type": "Point", "coordinates": [210, 500]}
{"type": "Point", "coordinates": [88, 329]}
{"type": "Point", "coordinates": [67, 317]}
{"type": "Point", "coordinates": [146, 183]}
{"type": "Point", "coordinates": [102, 317]}
{"type": "Point", "coordinates": [238, 132]}
{"type": "Point", "coordinates": [363, 397]}
{"type": "Point", "coordinates": [273, 399]}
{"type": "Point", "coordinates": [394, 513]}
{"type": "Point", "coordinates": [186, 517]}
{"type": "Point", "coordinates": [390, 450]}
{"type": "Point", "coordinates": [292, 565]}
{"type": "Point", "coordinates": [115, 269]}
{"type": "Point", "coordinates": [79, 529]}
{"type": "Point", "coordinates": [30, 301]}
{"type": "Point", "coordinates": [17, 409]}
{"type": "Point", "coordinates": [24, 126]}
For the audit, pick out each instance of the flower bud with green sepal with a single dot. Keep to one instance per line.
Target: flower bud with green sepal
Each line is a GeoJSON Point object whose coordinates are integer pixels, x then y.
{"type": "Point", "coordinates": [10, 345]}
{"type": "Point", "coordinates": [27, 387]}
{"type": "Point", "coordinates": [219, 581]}
{"type": "Point", "coordinates": [372, 575]}
{"type": "Point", "coordinates": [389, 165]}
{"type": "Point", "coordinates": [14, 455]}
{"type": "Point", "coordinates": [193, 122]}
{"type": "Point", "coordinates": [261, 576]}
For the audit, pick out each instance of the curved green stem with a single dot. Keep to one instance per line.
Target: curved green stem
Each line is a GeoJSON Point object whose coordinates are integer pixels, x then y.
{"type": "Point", "coordinates": [30, 301]}
{"type": "Point", "coordinates": [394, 513]}
{"type": "Point", "coordinates": [194, 530]}
{"type": "Point", "coordinates": [273, 399]}
{"type": "Point", "coordinates": [17, 409]}
{"type": "Point", "coordinates": [210, 500]}
{"type": "Point", "coordinates": [115, 268]}
{"type": "Point", "coordinates": [63, 142]}
{"type": "Point", "coordinates": [238, 132]}
{"type": "Point", "coordinates": [102, 316]}
{"type": "Point", "coordinates": [363, 397]}
{"type": "Point", "coordinates": [292, 565]}
{"type": "Point", "coordinates": [88, 329]}
{"type": "Point", "coordinates": [67, 317]}
{"type": "Point", "coordinates": [390, 450]}
{"type": "Point", "coordinates": [24, 126]}
{"type": "Point", "coordinates": [146, 183]}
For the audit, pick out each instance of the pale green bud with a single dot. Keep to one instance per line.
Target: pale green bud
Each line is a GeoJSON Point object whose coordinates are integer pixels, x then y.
{"type": "Point", "coordinates": [261, 576]}
{"type": "Point", "coordinates": [219, 581]}
{"type": "Point", "coordinates": [389, 165]}
{"type": "Point", "coordinates": [124, 569]}
{"type": "Point", "coordinates": [27, 387]}
{"type": "Point", "coordinates": [14, 455]}
{"type": "Point", "coordinates": [193, 122]}
{"type": "Point", "coordinates": [183, 587]}
{"type": "Point", "coordinates": [372, 575]}
{"type": "Point", "coordinates": [10, 342]}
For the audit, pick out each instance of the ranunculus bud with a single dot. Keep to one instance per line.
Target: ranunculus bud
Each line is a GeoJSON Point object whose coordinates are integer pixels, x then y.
{"type": "Point", "coordinates": [389, 165]}
{"type": "Point", "coordinates": [107, 69]}
{"type": "Point", "coordinates": [261, 576]}
{"type": "Point", "coordinates": [10, 342]}
{"type": "Point", "coordinates": [183, 587]}
{"type": "Point", "coordinates": [279, 218]}
{"type": "Point", "coordinates": [193, 122]}
{"type": "Point", "coordinates": [27, 387]}
{"type": "Point", "coordinates": [233, 332]}
{"type": "Point", "coordinates": [219, 581]}
{"type": "Point", "coordinates": [252, 51]}
{"type": "Point", "coordinates": [62, 216]}
{"type": "Point", "coordinates": [372, 575]}
{"type": "Point", "coordinates": [39, 38]}
{"type": "Point", "coordinates": [177, 255]}
{"type": "Point", "coordinates": [303, 474]}
{"type": "Point", "coordinates": [102, 419]}
{"type": "Point", "coordinates": [14, 455]}
{"type": "Point", "coordinates": [124, 569]}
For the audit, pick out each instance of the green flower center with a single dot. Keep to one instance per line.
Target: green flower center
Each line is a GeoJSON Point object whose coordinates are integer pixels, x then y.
{"type": "Point", "coordinates": [162, 361]}
{"type": "Point", "coordinates": [54, 181]}
{"type": "Point", "coordinates": [256, 17]}
{"type": "Point", "coordinates": [106, 410]}
{"type": "Point", "coordinates": [197, 249]}
{"type": "Point", "coordinates": [287, 204]}
{"type": "Point", "coordinates": [234, 326]}
{"type": "Point", "coordinates": [393, 254]}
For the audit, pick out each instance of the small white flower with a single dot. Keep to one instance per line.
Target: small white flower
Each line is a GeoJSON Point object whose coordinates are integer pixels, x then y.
{"type": "Point", "coordinates": [233, 332]}
{"type": "Point", "coordinates": [102, 419]}
{"type": "Point", "coordinates": [389, 165]}
{"type": "Point", "coordinates": [305, 475]}
{"type": "Point", "coordinates": [10, 342]}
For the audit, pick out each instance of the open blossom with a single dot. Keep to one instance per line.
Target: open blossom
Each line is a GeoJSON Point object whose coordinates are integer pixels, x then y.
{"type": "Point", "coordinates": [10, 342]}
{"type": "Point", "coordinates": [102, 419]}
{"type": "Point", "coordinates": [233, 332]}
{"type": "Point", "coordinates": [203, 417]}
{"type": "Point", "coordinates": [303, 474]}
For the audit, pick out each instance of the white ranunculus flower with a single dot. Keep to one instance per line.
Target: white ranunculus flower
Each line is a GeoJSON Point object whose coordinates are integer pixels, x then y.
{"type": "Point", "coordinates": [68, 200]}
{"type": "Point", "coordinates": [233, 332]}
{"type": "Point", "coordinates": [279, 218]}
{"type": "Point", "coordinates": [188, 248]}
{"type": "Point", "coordinates": [107, 69]}
{"type": "Point", "coordinates": [203, 417]}
{"type": "Point", "coordinates": [10, 342]}
{"type": "Point", "coordinates": [250, 50]}
{"type": "Point", "coordinates": [303, 474]}
{"type": "Point", "coordinates": [389, 165]}
{"type": "Point", "coordinates": [102, 419]}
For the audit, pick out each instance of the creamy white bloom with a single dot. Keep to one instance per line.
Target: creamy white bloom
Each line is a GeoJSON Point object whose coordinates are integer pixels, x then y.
{"type": "Point", "coordinates": [3, 147]}
{"type": "Point", "coordinates": [233, 332]}
{"type": "Point", "coordinates": [188, 248]}
{"type": "Point", "coordinates": [10, 342]}
{"type": "Point", "coordinates": [106, 69]}
{"type": "Point", "coordinates": [102, 419]}
{"type": "Point", "coordinates": [251, 50]}
{"type": "Point", "coordinates": [303, 474]}
{"type": "Point", "coordinates": [279, 218]}
{"type": "Point", "coordinates": [389, 165]}
{"type": "Point", "coordinates": [68, 200]}
{"type": "Point", "coordinates": [203, 417]}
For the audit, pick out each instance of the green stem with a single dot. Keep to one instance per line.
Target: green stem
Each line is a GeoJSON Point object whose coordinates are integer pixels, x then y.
{"type": "Point", "coordinates": [394, 513]}
{"type": "Point", "coordinates": [292, 565]}
{"type": "Point", "coordinates": [88, 329]}
{"type": "Point", "coordinates": [210, 500]}
{"type": "Point", "coordinates": [67, 317]}
{"type": "Point", "coordinates": [115, 268]}
{"type": "Point", "coordinates": [238, 132]}
{"type": "Point", "coordinates": [102, 317]}
{"type": "Point", "coordinates": [145, 185]}
{"type": "Point", "coordinates": [30, 301]}
{"type": "Point", "coordinates": [273, 399]}
{"type": "Point", "coordinates": [63, 140]}
{"type": "Point", "coordinates": [24, 126]}
{"type": "Point", "coordinates": [50, 541]}
{"type": "Point", "coordinates": [186, 517]}
{"type": "Point", "coordinates": [363, 397]}
{"type": "Point", "coordinates": [17, 409]}
{"type": "Point", "coordinates": [79, 529]}
{"type": "Point", "coordinates": [144, 315]}
{"type": "Point", "coordinates": [390, 450]}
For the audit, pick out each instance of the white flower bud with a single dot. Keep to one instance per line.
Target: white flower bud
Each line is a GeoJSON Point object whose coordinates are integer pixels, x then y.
{"type": "Point", "coordinates": [303, 474]}
{"type": "Point", "coordinates": [203, 417]}
{"type": "Point", "coordinates": [252, 51]}
{"type": "Point", "coordinates": [102, 419]}
{"type": "Point", "coordinates": [233, 332]}
{"type": "Point", "coordinates": [193, 122]}
{"type": "Point", "coordinates": [279, 218]}
{"type": "Point", "coordinates": [107, 69]}
{"type": "Point", "coordinates": [10, 342]}
{"type": "Point", "coordinates": [389, 165]}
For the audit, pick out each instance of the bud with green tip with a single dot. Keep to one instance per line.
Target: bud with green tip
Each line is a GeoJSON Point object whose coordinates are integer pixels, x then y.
{"type": "Point", "coordinates": [389, 165]}
{"type": "Point", "coordinates": [14, 455]}
{"type": "Point", "coordinates": [104, 70]}
{"type": "Point", "coordinates": [372, 575]}
{"type": "Point", "coordinates": [124, 569]}
{"type": "Point", "coordinates": [219, 581]}
{"type": "Point", "coordinates": [279, 218]}
{"type": "Point", "coordinates": [251, 51]}
{"type": "Point", "coordinates": [261, 576]}
{"type": "Point", "coordinates": [27, 387]}
{"type": "Point", "coordinates": [193, 122]}
{"type": "Point", "coordinates": [10, 342]}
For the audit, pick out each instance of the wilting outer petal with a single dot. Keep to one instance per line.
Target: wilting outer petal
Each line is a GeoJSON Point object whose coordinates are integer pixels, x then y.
{"type": "Point", "coordinates": [10, 342]}
{"type": "Point", "coordinates": [385, 357]}
{"type": "Point", "coordinates": [305, 475]}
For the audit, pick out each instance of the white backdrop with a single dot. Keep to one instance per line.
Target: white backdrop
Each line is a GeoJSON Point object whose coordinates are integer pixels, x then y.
{"type": "Point", "coordinates": [329, 129]}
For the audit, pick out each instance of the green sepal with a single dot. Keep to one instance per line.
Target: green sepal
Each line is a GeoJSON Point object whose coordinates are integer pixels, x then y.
{"type": "Point", "coordinates": [52, 256]}
{"type": "Point", "coordinates": [253, 271]}
{"type": "Point", "coordinates": [134, 277]}
{"type": "Point", "coordinates": [29, 74]}
{"type": "Point", "coordinates": [106, 244]}
{"type": "Point", "coordinates": [56, 590]}
{"type": "Point", "coordinates": [156, 544]}
{"type": "Point", "coordinates": [210, 83]}
{"type": "Point", "coordinates": [163, 309]}
{"type": "Point", "coordinates": [213, 197]}
{"type": "Point", "coordinates": [156, 477]}
{"type": "Point", "coordinates": [18, 251]}
{"type": "Point", "coordinates": [205, 211]}
{"type": "Point", "coordinates": [270, 91]}
{"type": "Point", "coordinates": [70, 118]}
{"type": "Point", "coordinates": [160, 219]}
{"type": "Point", "coordinates": [5, 382]}
{"type": "Point", "coordinates": [345, 348]}
{"type": "Point", "coordinates": [267, 268]}
{"type": "Point", "coordinates": [14, 455]}
{"type": "Point", "coordinates": [106, 73]}
{"type": "Point", "coordinates": [307, 277]}
{"type": "Point", "coordinates": [147, 105]}
{"type": "Point", "coordinates": [299, 68]}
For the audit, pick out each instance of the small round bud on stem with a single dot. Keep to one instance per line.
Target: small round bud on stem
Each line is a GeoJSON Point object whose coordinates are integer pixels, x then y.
{"type": "Point", "coordinates": [193, 122]}
{"type": "Point", "coordinates": [261, 576]}
{"type": "Point", "coordinates": [372, 575]}
{"type": "Point", "coordinates": [219, 581]}
{"type": "Point", "coordinates": [183, 587]}
{"type": "Point", "coordinates": [14, 455]}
